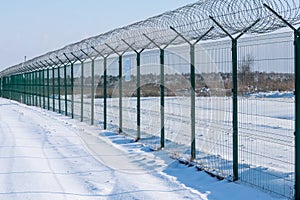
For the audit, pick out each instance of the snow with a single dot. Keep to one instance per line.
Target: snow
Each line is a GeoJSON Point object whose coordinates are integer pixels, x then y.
{"type": "Point", "coordinates": [45, 155]}
{"type": "Point", "coordinates": [275, 94]}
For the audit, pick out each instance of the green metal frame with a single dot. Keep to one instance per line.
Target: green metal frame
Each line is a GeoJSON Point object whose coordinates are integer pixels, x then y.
{"type": "Point", "coordinates": [120, 86]}
{"type": "Point", "coordinates": [120, 96]}
{"type": "Point", "coordinates": [81, 91]}
{"type": "Point", "coordinates": [297, 98]}
{"type": "Point", "coordinates": [92, 86]}
{"type": "Point", "coordinates": [65, 86]}
{"type": "Point", "coordinates": [93, 92]}
{"type": "Point", "coordinates": [43, 85]}
{"type": "Point", "coordinates": [36, 87]}
{"type": "Point", "coordinates": [53, 89]}
{"type": "Point", "coordinates": [72, 85]}
{"type": "Point", "coordinates": [40, 88]}
{"type": "Point", "coordinates": [105, 94]}
{"type": "Point", "coordinates": [1, 85]}
{"type": "Point", "coordinates": [48, 88]}
{"type": "Point", "coordinates": [297, 113]}
{"type": "Point", "coordinates": [81, 85]}
{"type": "Point", "coordinates": [162, 86]}
{"type": "Point", "coordinates": [138, 88]}
{"type": "Point", "coordinates": [58, 88]}
{"type": "Point", "coordinates": [193, 84]}
{"type": "Point", "coordinates": [72, 90]}
{"type": "Point", "coordinates": [104, 86]}
{"type": "Point", "coordinates": [66, 90]}
{"type": "Point", "coordinates": [234, 92]}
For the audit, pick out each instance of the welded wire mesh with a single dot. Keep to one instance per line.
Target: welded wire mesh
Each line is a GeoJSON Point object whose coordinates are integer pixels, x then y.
{"type": "Point", "coordinates": [266, 112]}
{"type": "Point", "coordinates": [177, 100]}
{"type": "Point", "coordinates": [112, 93]}
{"type": "Point", "coordinates": [150, 98]}
{"type": "Point", "coordinates": [77, 90]}
{"type": "Point", "coordinates": [87, 93]}
{"type": "Point", "coordinates": [266, 82]}
{"type": "Point", "coordinates": [214, 106]}
{"type": "Point", "coordinates": [69, 90]}
{"type": "Point", "coordinates": [62, 89]}
{"type": "Point", "coordinates": [99, 93]}
{"type": "Point", "coordinates": [51, 93]}
{"type": "Point", "coordinates": [129, 97]}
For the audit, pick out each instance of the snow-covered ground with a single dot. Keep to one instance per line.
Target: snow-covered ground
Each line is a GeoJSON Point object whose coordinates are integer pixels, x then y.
{"type": "Point", "coordinates": [45, 155]}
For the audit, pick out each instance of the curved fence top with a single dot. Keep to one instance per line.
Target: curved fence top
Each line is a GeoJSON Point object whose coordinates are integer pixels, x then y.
{"type": "Point", "coordinates": [192, 21]}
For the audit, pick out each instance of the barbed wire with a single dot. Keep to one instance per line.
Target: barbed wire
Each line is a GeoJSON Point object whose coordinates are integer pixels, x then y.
{"type": "Point", "coordinates": [191, 21]}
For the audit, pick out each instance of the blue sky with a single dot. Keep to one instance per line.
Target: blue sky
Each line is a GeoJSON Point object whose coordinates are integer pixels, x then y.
{"type": "Point", "coordinates": [34, 27]}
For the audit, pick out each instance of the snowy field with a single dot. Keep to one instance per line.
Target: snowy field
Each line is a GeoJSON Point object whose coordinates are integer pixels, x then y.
{"type": "Point", "coordinates": [45, 155]}
{"type": "Point", "coordinates": [266, 128]}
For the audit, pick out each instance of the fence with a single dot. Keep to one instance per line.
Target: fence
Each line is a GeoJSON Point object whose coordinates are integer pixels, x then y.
{"type": "Point", "coordinates": [229, 105]}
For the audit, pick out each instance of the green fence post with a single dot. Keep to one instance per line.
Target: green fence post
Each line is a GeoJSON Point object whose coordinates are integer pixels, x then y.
{"type": "Point", "coordinates": [11, 96]}
{"type": "Point", "coordinates": [193, 87]}
{"type": "Point", "coordinates": [105, 93]}
{"type": "Point", "coordinates": [234, 93]}
{"type": "Point", "coordinates": [138, 87]}
{"type": "Point", "coordinates": [1, 87]}
{"type": "Point", "coordinates": [66, 90]}
{"type": "Point", "coordinates": [59, 88]}
{"type": "Point", "coordinates": [162, 88]}
{"type": "Point", "coordinates": [193, 113]}
{"type": "Point", "coordinates": [53, 89]}
{"type": "Point", "coordinates": [36, 87]}
{"type": "Point", "coordinates": [19, 88]}
{"type": "Point", "coordinates": [42, 82]}
{"type": "Point", "coordinates": [234, 97]}
{"type": "Point", "coordinates": [297, 113]}
{"type": "Point", "coordinates": [72, 90]}
{"type": "Point", "coordinates": [48, 88]}
{"type": "Point", "coordinates": [120, 87]}
{"type": "Point", "coordinates": [82, 76]}
{"type": "Point", "coordinates": [92, 86]}
{"type": "Point", "coordinates": [235, 109]}
{"type": "Point", "coordinates": [82, 79]}
{"type": "Point", "coordinates": [72, 85]}
{"type": "Point", "coordinates": [40, 88]}
{"type": "Point", "coordinates": [24, 88]}
{"type": "Point", "coordinates": [162, 97]}
{"type": "Point", "coordinates": [93, 93]}
{"type": "Point", "coordinates": [104, 87]}
{"type": "Point", "coordinates": [29, 87]}
{"type": "Point", "coordinates": [16, 84]}
{"type": "Point", "coordinates": [43, 85]}
{"type": "Point", "coordinates": [138, 94]}
{"type": "Point", "coordinates": [32, 89]}
{"type": "Point", "coordinates": [120, 96]}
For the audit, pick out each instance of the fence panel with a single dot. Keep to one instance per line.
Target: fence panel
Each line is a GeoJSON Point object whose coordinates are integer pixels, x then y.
{"type": "Point", "coordinates": [112, 93]}
{"type": "Point", "coordinates": [266, 112]}
{"type": "Point", "coordinates": [77, 90]}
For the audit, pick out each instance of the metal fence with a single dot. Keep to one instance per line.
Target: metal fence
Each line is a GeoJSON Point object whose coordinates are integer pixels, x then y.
{"type": "Point", "coordinates": [230, 105]}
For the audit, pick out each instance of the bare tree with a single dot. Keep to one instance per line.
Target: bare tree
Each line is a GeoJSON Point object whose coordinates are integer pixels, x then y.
{"type": "Point", "coordinates": [246, 75]}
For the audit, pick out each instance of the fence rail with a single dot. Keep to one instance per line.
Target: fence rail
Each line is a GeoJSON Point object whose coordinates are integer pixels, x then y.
{"type": "Point", "coordinates": [231, 105]}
